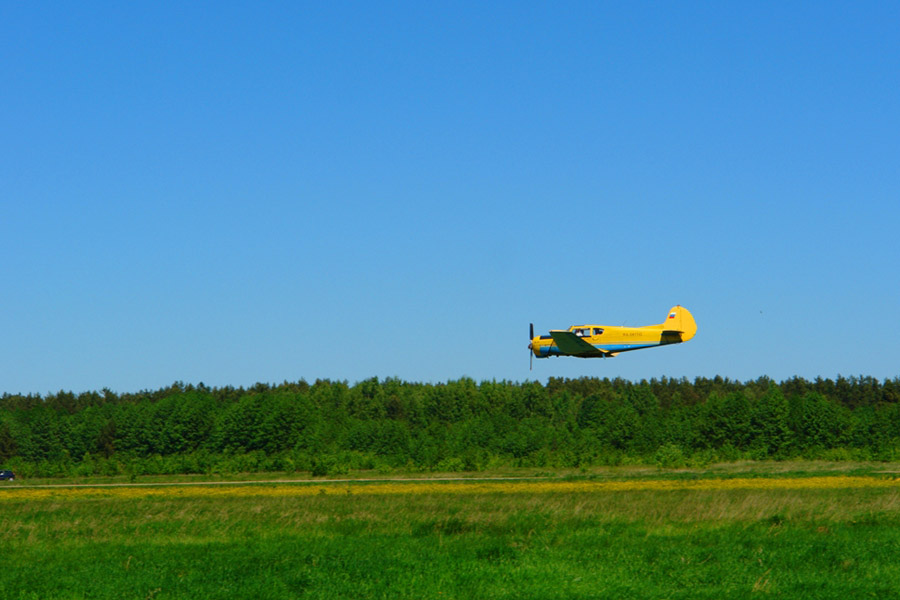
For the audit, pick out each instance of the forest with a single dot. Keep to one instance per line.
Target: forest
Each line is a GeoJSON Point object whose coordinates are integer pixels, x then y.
{"type": "Point", "coordinates": [332, 427]}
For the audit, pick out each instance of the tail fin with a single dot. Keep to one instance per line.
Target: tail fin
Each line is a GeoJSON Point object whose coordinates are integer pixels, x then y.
{"type": "Point", "coordinates": [681, 320]}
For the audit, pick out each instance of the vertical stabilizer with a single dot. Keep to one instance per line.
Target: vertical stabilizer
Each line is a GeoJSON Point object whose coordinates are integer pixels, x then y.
{"type": "Point", "coordinates": [681, 320]}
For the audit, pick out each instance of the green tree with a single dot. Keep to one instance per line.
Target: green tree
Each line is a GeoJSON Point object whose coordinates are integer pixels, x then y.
{"type": "Point", "coordinates": [769, 422]}
{"type": "Point", "coordinates": [818, 422]}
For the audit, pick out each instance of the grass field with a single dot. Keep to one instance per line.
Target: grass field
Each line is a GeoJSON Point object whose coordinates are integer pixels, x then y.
{"type": "Point", "coordinates": [737, 533]}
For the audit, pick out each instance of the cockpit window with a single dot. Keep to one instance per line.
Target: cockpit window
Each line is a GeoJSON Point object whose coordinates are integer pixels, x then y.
{"type": "Point", "coordinates": [597, 331]}
{"type": "Point", "coordinates": [582, 332]}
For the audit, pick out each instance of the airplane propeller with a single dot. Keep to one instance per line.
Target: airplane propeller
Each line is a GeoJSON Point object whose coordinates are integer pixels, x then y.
{"type": "Point", "coordinates": [530, 353]}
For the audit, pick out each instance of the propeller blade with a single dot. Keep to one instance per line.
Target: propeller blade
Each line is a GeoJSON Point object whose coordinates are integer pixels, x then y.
{"type": "Point", "coordinates": [531, 331]}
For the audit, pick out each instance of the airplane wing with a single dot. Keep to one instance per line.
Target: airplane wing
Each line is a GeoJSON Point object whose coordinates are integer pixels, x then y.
{"type": "Point", "coordinates": [569, 343]}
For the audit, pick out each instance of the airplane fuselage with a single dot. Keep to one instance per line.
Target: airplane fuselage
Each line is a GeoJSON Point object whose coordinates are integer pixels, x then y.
{"type": "Point", "coordinates": [601, 341]}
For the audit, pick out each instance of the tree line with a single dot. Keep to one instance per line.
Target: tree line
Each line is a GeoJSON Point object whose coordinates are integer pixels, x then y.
{"type": "Point", "coordinates": [331, 427]}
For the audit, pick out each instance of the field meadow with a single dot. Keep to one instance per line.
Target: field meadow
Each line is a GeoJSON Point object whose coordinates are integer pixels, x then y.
{"type": "Point", "coordinates": [796, 529]}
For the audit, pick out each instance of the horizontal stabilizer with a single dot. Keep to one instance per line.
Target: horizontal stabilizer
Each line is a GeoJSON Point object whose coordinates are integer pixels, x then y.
{"type": "Point", "coordinates": [670, 336]}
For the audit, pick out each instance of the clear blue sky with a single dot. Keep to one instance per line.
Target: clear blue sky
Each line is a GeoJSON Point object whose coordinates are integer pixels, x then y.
{"type": "Point", "coordinates": [230, 193]}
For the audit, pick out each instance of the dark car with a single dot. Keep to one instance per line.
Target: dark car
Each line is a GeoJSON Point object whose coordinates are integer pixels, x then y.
{"type": "Point", "coordinates": [7, 475]}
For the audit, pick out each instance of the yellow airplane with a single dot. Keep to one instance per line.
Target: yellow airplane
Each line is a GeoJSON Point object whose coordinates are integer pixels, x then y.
{"type": "Point", "coordinates": [603, 341]}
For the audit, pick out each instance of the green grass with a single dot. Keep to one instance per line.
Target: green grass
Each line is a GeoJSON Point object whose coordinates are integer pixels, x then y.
{"type": "Point", "coordinates": [785, 468]}
{"type": "Point", "coordinates": [618, 560]}
{"type": "Point", "coordinates": [813, 543]}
